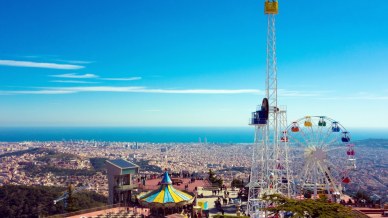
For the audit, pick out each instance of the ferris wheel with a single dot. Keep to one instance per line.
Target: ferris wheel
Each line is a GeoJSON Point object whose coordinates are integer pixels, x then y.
{"type": "Point", "coordinates": [323, 155]}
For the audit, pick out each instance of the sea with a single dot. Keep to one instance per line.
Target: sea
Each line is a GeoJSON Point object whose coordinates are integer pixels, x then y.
{"type": "Point", "coordinates": [152, 134]}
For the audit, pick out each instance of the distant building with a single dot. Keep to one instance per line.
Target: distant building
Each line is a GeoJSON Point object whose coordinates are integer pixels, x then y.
{"type": "Point", "coordinates": [135, 146]}
{"type": "Point", "coordinates": [120, 180]}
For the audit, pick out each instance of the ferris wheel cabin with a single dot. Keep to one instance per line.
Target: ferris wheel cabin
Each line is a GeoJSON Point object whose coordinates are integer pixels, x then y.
{"type": "Point", "coordinates": [351, 164]}
{"type": "Point", "coordinates": [335, 127]}
{"type": "Point", "coordinates": [295, 127]}
{"type": "Point", "coordinates": [284, 138]}
{"type": "Point", "coordinates": [345, 137]}
{"type": "Point", "coordinates": [308, 122]}
{"type": "Point", "coordinates": [321, 121]}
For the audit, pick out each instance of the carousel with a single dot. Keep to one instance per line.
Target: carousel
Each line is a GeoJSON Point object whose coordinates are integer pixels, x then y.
{"type": "Point", "coordinates": [166, 199]}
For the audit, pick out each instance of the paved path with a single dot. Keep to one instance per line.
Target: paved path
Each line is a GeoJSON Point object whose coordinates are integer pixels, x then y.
{"type": "Point", "coordinates": [208, 196]}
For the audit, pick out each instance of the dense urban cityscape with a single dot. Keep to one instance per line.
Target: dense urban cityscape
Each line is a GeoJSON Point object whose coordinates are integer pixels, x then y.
{"type": "Point", "coordinates": [58, 163]}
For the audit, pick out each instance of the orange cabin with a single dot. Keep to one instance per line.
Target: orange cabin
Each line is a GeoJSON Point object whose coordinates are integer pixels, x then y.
{"type": "Point", "coordinates": [308, 122]}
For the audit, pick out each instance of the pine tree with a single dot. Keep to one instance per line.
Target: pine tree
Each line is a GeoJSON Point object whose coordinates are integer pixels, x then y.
{"type": "Point", "coordinates": [306, 208]}
{"type": "Point", "coordinates": [70, 199]}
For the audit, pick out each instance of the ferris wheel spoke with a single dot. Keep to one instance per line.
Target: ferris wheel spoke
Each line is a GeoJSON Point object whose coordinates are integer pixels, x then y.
{"type": "Point", "coordinates": [323, 135]}
{"type": "Point", "coordinates": [336, 172]}
{"type": "Point", "coordinates": [311, 134]}
{"type": "Point", "coordinates": [303, 176]}
{"type": "Point", "coordinates": [326, 145]}
{"type": "Point", "coordinates": [292, 138]}
{"type": "Point", "coordinates": [318, 133]}
{"type": "Point", "coordinates": [329, 177]}
{"type": "Point", "coordinates": [325, 138]}
{"type": "Point", "coordinates": [335, 148]}
{"type": "Point", "coordinates": [305, 138]}
{"type": "Point", "coordinates": [298, 154]}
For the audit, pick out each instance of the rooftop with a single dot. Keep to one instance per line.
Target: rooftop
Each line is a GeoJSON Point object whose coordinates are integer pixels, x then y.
{"type": "Point", "coordinates": [123, 164]}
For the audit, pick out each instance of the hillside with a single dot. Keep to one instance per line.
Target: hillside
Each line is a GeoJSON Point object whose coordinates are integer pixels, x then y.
{"type": "Point", "coordinates": [32, 201]}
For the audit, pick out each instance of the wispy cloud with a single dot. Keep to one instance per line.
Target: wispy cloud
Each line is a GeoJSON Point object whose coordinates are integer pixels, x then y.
{"type": "Point", "coordinates": [75, 76]}
{"type": "Point", "coordinates": [201, 91]}
{"type": "Point", "coordinates": [102, 88]}
{"type": "Point", "coordinates": [131, 89]}
{"type": "Point", "coordinates": [140, 89]}
{"type": "Point", "coordinates": [13, 63]}
{"type": "Point", "coordinates": [37, 92]}
{"type": "Point", "coordinates": [122, 79]}
{"type": "Point", "coordinates": [72, 81]}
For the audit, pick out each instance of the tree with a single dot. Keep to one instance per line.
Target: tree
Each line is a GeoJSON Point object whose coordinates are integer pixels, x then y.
{"type": "Point", "coordinates": [306, 208]}
{"type": "Point", "coordinates": [35, 201]}
{"type": "Point", "coordinates": [215, 180]}
{"type": "Point", "coordinates": [362, 195]}
{"type": "Point", "coordinates": [70, 199]}
{"type": "Point", "coordinates": [212, 177]}
{"type": "Point", "coordinates": [237, 183]}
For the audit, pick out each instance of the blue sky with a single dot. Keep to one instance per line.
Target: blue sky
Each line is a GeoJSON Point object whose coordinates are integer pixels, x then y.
{"type": "Point", "coordinates": [189, 63]}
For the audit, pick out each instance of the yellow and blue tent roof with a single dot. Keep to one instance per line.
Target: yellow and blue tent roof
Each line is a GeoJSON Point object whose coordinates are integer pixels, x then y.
{"type": "Point", "coordinates": [166, 194]}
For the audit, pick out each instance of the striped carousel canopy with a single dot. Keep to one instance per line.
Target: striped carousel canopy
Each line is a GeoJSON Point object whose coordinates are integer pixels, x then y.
{"type": "Point", "coordinates": [166, 195]}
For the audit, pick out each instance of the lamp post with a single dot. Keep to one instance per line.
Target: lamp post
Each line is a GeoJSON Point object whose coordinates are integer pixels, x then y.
{"type": "Point", "coordinates": [196, 208]}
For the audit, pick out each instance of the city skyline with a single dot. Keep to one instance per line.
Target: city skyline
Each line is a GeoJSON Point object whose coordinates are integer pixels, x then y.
{"type": "Point", "coordinates": [180, 63]}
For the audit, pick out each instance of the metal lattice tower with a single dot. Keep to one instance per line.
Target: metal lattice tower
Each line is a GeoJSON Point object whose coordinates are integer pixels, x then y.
{"type": "Point", "coordinates": [269, 170]}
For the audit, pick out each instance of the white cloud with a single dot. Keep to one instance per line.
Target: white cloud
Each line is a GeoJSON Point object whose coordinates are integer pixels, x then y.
{"type": "Point", "coordinates": [140, 89]}
{"type": "Point", "coordinates": [132, 89]}
{"type": "Point", "coordinates": [75, 76]}
{"type": "Point", "coordinates": [122, 79]}
{"type": "Point", "coordinates": [201, 91]}
{"type": "Point", "coordinates": [101, 88]}
{"type": "Point", "coordinates": [14, 63]}
{"type": "Point", "coordinates": [37, 92]}
{"type": "Point", "coordinates": [72, 81]}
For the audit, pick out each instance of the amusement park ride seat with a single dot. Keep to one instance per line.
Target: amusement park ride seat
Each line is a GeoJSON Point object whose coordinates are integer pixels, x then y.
{"type": "Point", "coordinates": [271, 7]}
{"type": "Point", "coordinates": [260, 117]}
